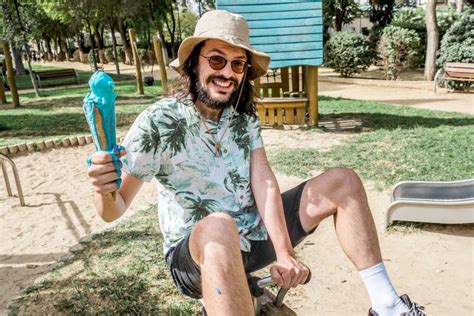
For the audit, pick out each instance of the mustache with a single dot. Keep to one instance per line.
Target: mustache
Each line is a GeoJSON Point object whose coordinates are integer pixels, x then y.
{"type": "Point", "coordinates": [234, 80]}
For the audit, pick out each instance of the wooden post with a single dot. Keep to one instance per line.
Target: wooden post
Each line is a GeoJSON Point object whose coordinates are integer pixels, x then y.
{"type": "Point", "coordinates": [161, 63]}
{"type": "Point", "coordinates": [312, 91]}
{"type": "Point", "coordinates": [10, 75]}
{"type": "Point", "coordinates": [136, 60]}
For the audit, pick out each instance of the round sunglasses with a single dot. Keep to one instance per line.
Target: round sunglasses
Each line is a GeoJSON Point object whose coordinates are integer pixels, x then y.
{"type": "Point", "coordinates": [218, 62]}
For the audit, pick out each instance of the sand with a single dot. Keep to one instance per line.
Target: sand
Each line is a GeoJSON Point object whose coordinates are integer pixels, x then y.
{"type": "Point", "coordinates": [433, 265]}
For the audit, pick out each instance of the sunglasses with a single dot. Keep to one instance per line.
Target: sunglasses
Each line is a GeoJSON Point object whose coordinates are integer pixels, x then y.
{"type": "Point", "coordinates": [218, 62]}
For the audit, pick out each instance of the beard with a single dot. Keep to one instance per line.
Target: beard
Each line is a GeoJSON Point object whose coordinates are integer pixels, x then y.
{"type": "Point", "coordinates": [204, 96]}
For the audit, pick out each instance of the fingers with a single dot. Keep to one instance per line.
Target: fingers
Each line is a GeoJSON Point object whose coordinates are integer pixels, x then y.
{"type": "Point", "coordinates": [102, 172]}
{"type": "Point", "coordinates": [290, 277]}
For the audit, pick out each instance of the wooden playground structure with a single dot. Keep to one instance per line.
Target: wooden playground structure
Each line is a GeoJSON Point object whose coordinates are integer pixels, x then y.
{"type": "Point", "coordinates": [291, 33]}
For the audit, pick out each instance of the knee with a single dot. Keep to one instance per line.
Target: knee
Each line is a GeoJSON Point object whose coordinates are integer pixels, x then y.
{"type": "Point", "coordinates": [345, 180]}
{"type": "Point", "coordinates": [216, 227]}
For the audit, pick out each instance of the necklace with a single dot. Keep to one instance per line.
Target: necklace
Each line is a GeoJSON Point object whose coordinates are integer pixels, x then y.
{"type": "Point", "coordinates": [216, 143]}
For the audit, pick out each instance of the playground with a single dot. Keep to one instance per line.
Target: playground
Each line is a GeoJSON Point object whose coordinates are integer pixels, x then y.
{"type": "Point", "coordinates": [379, 112]}
{"type": "Point", "coordinates": [58, 213]}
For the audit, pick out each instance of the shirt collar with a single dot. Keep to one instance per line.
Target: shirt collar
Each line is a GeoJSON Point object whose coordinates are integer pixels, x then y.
{"type": "Point", "coordinates": [193, 116]}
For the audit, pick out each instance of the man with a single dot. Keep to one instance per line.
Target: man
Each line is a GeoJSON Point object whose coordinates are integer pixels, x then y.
{"type": "Point", "coordinates": [220, 207]}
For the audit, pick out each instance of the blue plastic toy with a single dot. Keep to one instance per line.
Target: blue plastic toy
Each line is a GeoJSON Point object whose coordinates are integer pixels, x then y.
{"type": "Point", "coordinates": [99, 108]}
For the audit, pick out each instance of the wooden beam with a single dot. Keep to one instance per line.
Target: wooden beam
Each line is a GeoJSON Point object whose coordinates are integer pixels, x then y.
{"type": "Point", "coordinates": [312, 93]}
{"type": "Point", "coordinates": [161, 63]}
{"type": "Point", "coordinates": [136, 60]}
{"type": "Point", "coordinates": [10, 74]}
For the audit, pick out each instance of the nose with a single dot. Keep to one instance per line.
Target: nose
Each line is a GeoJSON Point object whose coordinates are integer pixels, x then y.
{"type": "Point", "coordinates": [227, 71]}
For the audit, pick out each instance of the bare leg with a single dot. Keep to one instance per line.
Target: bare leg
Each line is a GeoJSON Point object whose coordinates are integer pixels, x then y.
{"type": "Point", "coordinates": [339, 192]}
{"type": "Point", "coordinates": [215, 247]}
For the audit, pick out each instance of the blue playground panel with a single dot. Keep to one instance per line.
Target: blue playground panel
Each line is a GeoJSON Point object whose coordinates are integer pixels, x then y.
{"type": "Point", "coordinates": [290, 31]}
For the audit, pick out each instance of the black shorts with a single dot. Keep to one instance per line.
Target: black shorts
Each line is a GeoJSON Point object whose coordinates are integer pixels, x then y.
{"type": "Point", "coordinates": [186, 273]}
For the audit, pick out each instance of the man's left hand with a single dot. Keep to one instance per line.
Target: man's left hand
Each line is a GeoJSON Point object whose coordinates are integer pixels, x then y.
{"type": "Point", "coordinates": [289, 272]}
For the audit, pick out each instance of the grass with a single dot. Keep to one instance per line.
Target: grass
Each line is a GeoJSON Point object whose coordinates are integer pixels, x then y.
{"type": "Point", "coordinates": [394, 143]}
{"type": "Point", "coordinates": [24, 81]}
{"type": "Point", "coordinates": [119, 271]}
{"type": "Point", "coordinates": [58, 113]}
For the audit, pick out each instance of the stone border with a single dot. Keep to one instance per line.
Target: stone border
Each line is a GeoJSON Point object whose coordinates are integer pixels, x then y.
{"type": "Point", "coordinates": [57, 143]}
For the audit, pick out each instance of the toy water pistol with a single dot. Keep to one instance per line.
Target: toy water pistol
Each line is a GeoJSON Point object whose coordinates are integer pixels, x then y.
{"type": "Point", "coordinates": [99, 109]}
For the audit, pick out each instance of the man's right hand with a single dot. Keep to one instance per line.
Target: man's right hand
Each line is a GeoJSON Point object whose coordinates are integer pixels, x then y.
{"type": "Point", "coordinates": [102, 172]}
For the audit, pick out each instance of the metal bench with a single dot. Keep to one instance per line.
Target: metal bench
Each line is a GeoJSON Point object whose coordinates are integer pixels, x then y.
{"type": "Point", "coordinates": [55, 74]}
{"type": "Point", "coordinates": [455, 71]}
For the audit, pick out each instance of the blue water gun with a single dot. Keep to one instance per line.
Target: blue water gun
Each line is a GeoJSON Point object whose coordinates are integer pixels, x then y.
{"type": "Point", "coordinates": [99, 108]}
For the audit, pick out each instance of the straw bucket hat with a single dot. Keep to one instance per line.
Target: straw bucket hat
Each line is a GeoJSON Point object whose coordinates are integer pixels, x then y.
{"type": "Point", "coordinates": [230, 28]}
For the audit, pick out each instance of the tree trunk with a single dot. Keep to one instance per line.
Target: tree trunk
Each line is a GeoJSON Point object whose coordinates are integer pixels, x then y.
{"type": "Point", "coordinates": [459, 6]}
{"type": "Point", "coordinates": [49, 53]}
{"type": "Point", "coordinates": [80, 45]}
{"type": "Point", "coordinates": [114, 46]}
{"type": "Point", "coordinates": [94, 60]}
{"type": "Point", "coordinates": [17, 61]}
{"type": "Point", "coordinates": [432, 40]}
{"type": "Point", "coordinates": [126, 45]}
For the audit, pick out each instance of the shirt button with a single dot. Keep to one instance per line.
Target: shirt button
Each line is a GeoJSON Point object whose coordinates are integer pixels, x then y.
{"type": "Point", "coordinates": [241, 197]}
{"type": "Point", "coordinates": [225, 151]}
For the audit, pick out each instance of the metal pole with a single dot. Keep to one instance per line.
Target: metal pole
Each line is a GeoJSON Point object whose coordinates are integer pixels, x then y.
{"type": "Point", "coordinates": [136, 60]}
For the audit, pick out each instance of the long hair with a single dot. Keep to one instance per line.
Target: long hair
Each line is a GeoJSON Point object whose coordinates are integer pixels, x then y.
{"type": "Point", "coordinates": [184, 87]}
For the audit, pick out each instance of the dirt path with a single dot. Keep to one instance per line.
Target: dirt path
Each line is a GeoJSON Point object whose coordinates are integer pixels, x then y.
{"type": "Point", "coordinates": [432, 265]}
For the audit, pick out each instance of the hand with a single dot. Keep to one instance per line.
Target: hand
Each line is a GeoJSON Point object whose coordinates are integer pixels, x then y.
{"type": "Point", "coordinates": [289, 272]}
{"type": "Point", "coordinates": [102, 172]}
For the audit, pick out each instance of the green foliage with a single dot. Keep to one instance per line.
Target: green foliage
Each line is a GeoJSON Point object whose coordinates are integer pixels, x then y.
{"type": "Point", "coordinates": [121, 53]}
{"type": "Point", "coordinates": [381, 12]}
{"type": "Point", "coordinates": [343, 11]}
{"type": "Point", "coordinates": [348, 53]}
{"type": "Point", "coordinates": [398, 49]}
{"type": "Point", "coordinates": [109, 54]}
{"type": "Point", "coordinates": [458, 45]}
{"type": "Point", "coordinates": [414, 19]}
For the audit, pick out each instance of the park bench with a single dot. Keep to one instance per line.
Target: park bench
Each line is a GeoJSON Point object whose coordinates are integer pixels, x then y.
{"type": "Point", "coordinates": [455, 71]}
{"type": "Point", "coordinates": [55, 74]}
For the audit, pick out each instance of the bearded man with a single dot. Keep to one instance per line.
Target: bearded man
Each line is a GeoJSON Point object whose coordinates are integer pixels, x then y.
{"type": "Point", "coordinates": [220, 208]}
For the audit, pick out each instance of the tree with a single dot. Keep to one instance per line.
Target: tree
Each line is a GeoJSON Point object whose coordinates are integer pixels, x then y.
{"type": "Point", "coordinates": [381, 12]}
{"type": "Point", "coordinates": [339, 12]}
{"type": "Point", "coordinates": [432, 40]}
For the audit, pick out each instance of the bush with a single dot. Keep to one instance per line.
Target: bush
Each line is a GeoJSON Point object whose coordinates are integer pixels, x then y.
{"type": "Point", "coordinates": [109, 54]}
{"type": "Point", "coordinates": [348, 53]}
{"type": "Point", "coordinates": [458, 46]}
{"type": "Point", "coordinates": [414, 19]}
{"type": "Point", "coordinates": [120, 54]}
{"type": "Point", "coordinates": [398, 49]}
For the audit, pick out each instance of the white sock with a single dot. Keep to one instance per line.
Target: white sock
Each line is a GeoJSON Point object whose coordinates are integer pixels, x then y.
{"type": "Point", "coordinates": [384, 298]}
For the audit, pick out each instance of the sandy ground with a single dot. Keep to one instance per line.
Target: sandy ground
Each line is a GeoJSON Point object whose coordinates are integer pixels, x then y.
{"type": "Point", "coordinates": [433, 265]}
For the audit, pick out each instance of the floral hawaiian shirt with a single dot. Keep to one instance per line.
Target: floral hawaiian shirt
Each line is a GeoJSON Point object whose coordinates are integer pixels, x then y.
{"type": "Point", "coordinates": [169, 142]}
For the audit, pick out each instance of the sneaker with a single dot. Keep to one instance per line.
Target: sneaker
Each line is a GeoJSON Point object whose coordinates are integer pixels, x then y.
{"type": "Point", "coordinates": [414, 308]}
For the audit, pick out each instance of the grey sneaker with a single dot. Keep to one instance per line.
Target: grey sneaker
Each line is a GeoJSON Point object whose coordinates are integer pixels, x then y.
{"type": "Point", "coordinates": [414, 308]}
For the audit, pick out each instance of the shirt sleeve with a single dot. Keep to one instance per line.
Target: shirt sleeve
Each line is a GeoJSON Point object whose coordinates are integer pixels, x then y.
{"type": "Point", "coordinates": [255, 132]}
{"type": "Point", "coordinates": [143, 146]}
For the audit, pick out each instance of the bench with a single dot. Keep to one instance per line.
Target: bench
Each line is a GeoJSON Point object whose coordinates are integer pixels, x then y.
{"type": "Point", "coordinates": [455, 71]}
{"type": "Point", "coordinates": [55, 74]}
